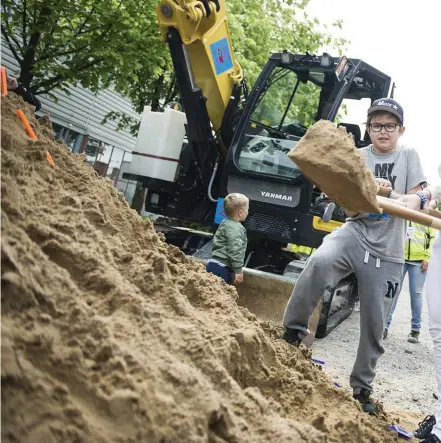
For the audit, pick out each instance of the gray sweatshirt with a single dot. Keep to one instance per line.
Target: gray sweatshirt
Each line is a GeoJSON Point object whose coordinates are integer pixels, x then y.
{"type": "Point", "coordinates": [382, 235]}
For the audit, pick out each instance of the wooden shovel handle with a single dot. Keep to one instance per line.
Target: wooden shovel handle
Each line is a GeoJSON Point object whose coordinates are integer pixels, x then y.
{"type": "Point", "coordinates": [433, 212]}
{"type": "Point", "coordinates": [409, 214]}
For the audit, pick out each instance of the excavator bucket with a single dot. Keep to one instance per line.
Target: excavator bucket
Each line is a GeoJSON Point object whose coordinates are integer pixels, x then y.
{"type": "Point", "coordinates": [266, 295]}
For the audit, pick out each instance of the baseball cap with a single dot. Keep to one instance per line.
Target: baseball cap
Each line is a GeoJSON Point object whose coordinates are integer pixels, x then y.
{"type": "Point", "coordinates": [387, 105]}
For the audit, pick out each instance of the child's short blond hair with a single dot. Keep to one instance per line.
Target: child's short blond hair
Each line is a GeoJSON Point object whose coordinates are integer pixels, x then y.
{"type": "Point", "coordinates": [233, 202]}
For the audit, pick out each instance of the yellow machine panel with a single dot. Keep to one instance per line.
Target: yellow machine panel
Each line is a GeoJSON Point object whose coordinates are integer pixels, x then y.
{"type": "Point", "coordinates": [320, 225]}
{"type": "Point", "coordinates": [207, 38]}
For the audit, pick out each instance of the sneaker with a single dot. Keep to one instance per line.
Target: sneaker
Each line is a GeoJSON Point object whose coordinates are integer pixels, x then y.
{"type": "Point", "coordinates": [413, 336]}
{"type": "Point", "coordinates": [385, 332]}
{"type": "Point", "coordinates": [292, 336]}
{"type": "Point", "coordinates": [425, 427]}
{"type": "Point", "coordinates": [432, 438]}
{"type": "Point", "coordinates": [363, 397]}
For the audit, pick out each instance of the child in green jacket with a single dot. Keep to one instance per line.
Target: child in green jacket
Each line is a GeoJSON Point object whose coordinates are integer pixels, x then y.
{"type": "Point", "coordinates": [230, 241]}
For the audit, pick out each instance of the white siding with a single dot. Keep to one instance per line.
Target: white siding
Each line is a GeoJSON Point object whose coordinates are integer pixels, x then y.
{"type": "Point", "coordinates": [82, 110]}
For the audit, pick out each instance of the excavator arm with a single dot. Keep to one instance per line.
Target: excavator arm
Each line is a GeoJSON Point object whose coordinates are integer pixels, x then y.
{"type": "Point", "coordinates": [206, 59]}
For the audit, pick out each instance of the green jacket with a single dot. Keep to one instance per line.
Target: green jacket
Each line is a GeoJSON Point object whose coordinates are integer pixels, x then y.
{"type": "Point", "coordinates": [419, 240]}
{"type": "Point", "coordinates": [230, 244]}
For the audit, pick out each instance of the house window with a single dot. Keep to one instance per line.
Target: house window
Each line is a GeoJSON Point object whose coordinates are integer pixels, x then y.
{"type": "Point", "coordinates": [58, 131]}
{"type": "Point", "coordinates": [110, 161]}
{"type": "Point", "coordinates": [70, 138]}
{"type": "Point", "coordinates": [92, 150]}
{"type": "Point", "coordinates": [114, 166]}
{"type": "Point", "coordinates": [127, 187]}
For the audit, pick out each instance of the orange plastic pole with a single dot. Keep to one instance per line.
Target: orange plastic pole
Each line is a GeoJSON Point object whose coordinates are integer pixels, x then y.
{"type": "Point", "coordinates": [26, 124]}
{"type": "Point", "coordinates": [49, 158]}
{"type": "Point", "coordinates": [4, 81]}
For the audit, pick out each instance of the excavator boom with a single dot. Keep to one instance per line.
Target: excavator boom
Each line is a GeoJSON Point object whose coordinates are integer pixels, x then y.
{"type": "Point", "coordinates": [203, 30]}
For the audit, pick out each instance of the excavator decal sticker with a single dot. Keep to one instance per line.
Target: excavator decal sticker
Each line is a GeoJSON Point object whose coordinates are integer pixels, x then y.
{"type": "Point", "coordinates": [220, 212]}
{"type": "Point", "coordinates": [221, 55]}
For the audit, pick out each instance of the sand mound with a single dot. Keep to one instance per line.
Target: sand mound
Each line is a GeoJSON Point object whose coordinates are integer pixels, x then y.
{"type": "Point", "coordinates": [328, 157]}
{"type": "Point", "coordinates": [111, 335]}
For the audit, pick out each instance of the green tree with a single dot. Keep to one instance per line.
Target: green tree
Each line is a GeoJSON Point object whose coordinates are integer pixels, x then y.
{"type": "Point", "coordinates": [97, 43]}
{"type": "Point", "coordinates": [91, 42]}
{"type": "Point", "coordinates": [260, 28]}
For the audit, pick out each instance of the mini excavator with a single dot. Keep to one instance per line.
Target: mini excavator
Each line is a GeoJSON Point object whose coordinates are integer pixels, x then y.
{"type": "Point", "coordinates": [232, 139]}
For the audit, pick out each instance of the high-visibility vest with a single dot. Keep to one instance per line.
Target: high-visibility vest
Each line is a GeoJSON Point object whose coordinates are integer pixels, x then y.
{"type": "Point", "coordinates": [419, 240]}
{"type": "Point", "coordinates": [302, 249]}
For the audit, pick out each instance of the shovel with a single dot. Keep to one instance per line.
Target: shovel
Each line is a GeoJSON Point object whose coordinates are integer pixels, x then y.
{"type": "Point", "coordinates": [429, 217]}
{"type": "Point", "coordinates": [328, 157]}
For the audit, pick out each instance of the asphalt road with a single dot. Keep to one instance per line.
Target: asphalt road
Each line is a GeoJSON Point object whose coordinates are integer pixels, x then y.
{"type": "Point", "coordinates": [405, 380]}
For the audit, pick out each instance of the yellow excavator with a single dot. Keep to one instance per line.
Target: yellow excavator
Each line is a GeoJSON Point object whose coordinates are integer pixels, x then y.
{"type": "Point", "coordinates": [236, 140]}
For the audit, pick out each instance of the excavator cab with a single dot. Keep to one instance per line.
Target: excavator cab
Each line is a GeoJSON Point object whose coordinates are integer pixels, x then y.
{"type": "Point", "coordinates": [291, 94]}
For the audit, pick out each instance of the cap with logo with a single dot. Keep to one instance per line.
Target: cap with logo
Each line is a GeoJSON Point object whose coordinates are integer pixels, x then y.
{"type": "Point", "coordinates": [387, 105]}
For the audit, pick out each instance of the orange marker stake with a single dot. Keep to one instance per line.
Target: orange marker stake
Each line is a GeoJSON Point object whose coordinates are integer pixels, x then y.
{"type": "Point", "coordinates": [49, 158]}
{"type": "Point", "coordinates": [26, 124]}
{"type": "Point", "coordinates": [4, 82]}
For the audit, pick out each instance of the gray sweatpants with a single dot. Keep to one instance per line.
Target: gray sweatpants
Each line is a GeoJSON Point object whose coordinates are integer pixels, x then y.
{"type": "Point", "coordinates": [378, 283]}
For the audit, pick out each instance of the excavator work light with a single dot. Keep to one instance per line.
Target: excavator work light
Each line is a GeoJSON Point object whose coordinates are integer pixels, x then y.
{"type": "Point", "coordinates": [326, 61]}
{"type": "Point", "coordinates": [286, 57]}
{"type": "Point", "coordinates": [154, 198]}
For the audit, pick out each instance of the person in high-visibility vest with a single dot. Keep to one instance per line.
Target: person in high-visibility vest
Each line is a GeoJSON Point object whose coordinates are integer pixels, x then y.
{"type": "Point", "coordinates": [417, 250]}
{"type": "Point", "coordinates": [429, 430]}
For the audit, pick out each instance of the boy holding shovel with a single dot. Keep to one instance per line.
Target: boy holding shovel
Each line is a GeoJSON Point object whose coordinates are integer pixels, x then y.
{"type": "Point", "coordinates": [369, 245]}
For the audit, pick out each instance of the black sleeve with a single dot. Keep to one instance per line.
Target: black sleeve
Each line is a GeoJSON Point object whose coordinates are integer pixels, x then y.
{"type": "Point", "coordinates": [28, 97]}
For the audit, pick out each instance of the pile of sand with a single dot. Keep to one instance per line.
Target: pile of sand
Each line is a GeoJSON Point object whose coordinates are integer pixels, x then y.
{"type": "Point", "coordinates": [328, 157]}
{"type": "Point", "coordinates": [111, 335]}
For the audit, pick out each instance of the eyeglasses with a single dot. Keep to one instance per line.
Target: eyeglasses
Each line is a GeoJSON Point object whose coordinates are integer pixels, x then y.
{"type": "Point", "coordinates": [389, 127]}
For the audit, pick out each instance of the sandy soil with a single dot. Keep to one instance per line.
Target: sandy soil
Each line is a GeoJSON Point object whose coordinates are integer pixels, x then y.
{"type": "Point", "coordinates": [111, 335]}
{"type": "Point", "coordinates": [328, 157]}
